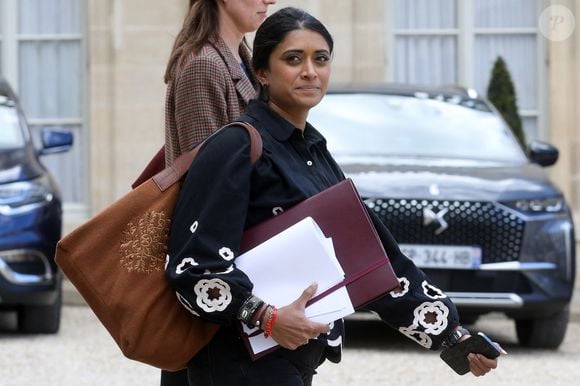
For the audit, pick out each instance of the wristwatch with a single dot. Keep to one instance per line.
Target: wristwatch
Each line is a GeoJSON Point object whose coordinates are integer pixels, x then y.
{"type": "Point", "coordinates": [454, 337]}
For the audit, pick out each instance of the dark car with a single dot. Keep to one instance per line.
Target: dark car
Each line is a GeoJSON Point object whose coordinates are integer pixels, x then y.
{"type": "Point", "coordinates": [474, 210]}
{"type": "Point", "coordinates": [30, 221]}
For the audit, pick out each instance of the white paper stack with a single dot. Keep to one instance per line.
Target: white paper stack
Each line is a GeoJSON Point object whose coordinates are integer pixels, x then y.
{"type": "Point", "coordinates": [282, 267]}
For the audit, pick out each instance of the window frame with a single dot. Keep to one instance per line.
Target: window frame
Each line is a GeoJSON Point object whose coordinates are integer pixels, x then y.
{"type": "Point", "coordinates": [466, 34]}
{"type": "Point", "coordinates": [10, 40]}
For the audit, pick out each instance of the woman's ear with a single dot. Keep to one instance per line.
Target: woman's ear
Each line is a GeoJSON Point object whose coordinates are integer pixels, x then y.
{"type": "Point", "coordinates": [262, 76]}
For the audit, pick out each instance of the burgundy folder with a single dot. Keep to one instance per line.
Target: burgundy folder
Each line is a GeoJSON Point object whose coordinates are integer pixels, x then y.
{"type": "Point", "coordinates": [341, 215]}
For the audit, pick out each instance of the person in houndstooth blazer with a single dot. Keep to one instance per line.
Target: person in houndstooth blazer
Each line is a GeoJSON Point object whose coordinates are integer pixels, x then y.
{"type": "Point", "coordinates": [209, 81]}
{"type": "Point", "coordinates": [209, 77]}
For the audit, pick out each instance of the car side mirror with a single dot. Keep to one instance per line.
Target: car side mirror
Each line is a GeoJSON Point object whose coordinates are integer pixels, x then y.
{"type": "Point", "coordinates": [543, 153]}
{"type": "Point", "coordinates": [55, 141]}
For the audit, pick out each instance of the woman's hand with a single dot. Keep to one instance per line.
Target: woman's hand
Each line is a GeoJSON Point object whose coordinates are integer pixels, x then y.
{"type": "Point", "coordinates": [292, 329]}
{"type": "Point", "coordinates": [480, 365]}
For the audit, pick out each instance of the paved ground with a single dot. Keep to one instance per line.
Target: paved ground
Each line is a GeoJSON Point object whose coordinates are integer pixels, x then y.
{"type": "Point", "coordinates": [83, 354]}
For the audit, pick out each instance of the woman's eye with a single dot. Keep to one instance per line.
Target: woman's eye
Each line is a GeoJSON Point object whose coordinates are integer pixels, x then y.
{"type": "Point", "coordinates": [293, 59]}
{"type": "Point", "coordinates": [323, 58]}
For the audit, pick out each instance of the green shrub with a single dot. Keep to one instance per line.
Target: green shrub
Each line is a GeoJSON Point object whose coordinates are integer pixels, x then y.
{"type": "Point", "coordinates": [502, 94]}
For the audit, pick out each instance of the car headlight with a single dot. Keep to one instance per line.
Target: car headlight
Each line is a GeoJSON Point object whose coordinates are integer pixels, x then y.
{"type": "Point", "coordinates": [538, 205]}
{"type": "Point", "coordinates": [17, 195]}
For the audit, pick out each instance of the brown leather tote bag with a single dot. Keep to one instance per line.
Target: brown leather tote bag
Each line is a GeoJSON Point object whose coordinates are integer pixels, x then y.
{"type": "Point", "coordinates": [116, 261]}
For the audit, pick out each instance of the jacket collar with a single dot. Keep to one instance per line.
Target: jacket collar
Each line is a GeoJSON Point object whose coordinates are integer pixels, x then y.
{"type": "Point", "coordinates": [277, 126]}
{"type": "Point", "coordinates": [244, 86]}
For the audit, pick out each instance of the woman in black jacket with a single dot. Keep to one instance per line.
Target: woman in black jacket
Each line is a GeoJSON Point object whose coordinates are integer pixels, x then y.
{"type": "Point", "coordinates": [224, 194]}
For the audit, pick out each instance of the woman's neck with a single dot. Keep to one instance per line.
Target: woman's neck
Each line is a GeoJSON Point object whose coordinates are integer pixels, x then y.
{"type": "Point", "coordinates": [232, 37]}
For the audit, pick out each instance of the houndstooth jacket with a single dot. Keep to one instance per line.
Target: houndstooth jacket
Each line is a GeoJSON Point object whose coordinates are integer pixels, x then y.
{"type": "Point", "coordinates": [208, 90]}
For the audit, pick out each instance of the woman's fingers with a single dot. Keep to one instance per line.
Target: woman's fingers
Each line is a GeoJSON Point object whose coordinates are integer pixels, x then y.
{"type": "Point", "coordinates": [480, 365]}
{"type": "Point", "coordinates": [292, 328]}
{"type": "Point", "coordinates": [306, 295]}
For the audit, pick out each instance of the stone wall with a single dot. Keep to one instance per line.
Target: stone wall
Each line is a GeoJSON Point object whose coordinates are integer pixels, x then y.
{"type": "Point", "coordinates": [129, 43]}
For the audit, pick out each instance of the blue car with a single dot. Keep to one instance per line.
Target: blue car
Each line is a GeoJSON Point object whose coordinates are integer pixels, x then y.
{"type": "Point", "coordinates": [30, 220]}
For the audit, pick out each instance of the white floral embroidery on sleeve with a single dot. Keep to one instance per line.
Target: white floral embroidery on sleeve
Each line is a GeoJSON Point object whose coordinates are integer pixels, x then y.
{"type": "Point", "coordinates": [399, 292]}
{"type": "Point", "coordinates": [277, 210]}
{"type": "Point", "coordinates": [213, 294]}
{"type": "Point", "coordinates": [432, 317]}
{"type": "Point", "coordinates": [166, 262]}
{"type": "Point", "coordinates": [227, 270]}
{"type": "Point", "coordinates": [186, 304]}
{"type": "Point", "coordinates": [418, 336]}
{"type": "Point", "coordinates": [226, 253]}
{"type": "Point", "coordinates": [185, 264]}
{"type": "Point", "coordinates": [432, 291]}
{"type": "Point", "coordinates": [193, 227]}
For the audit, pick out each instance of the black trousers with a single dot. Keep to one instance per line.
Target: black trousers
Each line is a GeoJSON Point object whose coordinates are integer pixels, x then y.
{"type": "Point", "coordinates": [225, 362]}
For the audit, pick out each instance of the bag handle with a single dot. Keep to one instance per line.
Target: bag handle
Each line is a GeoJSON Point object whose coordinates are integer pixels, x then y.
{"type": "Point", "coordinates": [154, 166]}
{"type": "Point", "coordinates": [170, 175]}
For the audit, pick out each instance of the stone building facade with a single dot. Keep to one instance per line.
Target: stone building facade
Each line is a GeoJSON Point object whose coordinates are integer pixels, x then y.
{"type": "Point", "coordinates": [122, 47]}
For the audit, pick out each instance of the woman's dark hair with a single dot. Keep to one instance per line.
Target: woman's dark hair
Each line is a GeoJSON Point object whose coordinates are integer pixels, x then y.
{"type": "Point", "coordinates": [275, 28]}
{"type": "Point", "coordinates": [200, 25]}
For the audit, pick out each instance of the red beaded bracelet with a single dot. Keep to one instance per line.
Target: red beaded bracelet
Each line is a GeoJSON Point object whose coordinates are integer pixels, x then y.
{"type": "Point", "coordinates": [270, 322]}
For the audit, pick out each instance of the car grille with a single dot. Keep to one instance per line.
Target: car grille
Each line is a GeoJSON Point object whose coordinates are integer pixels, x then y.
{"type": "Point", "coordinates": [496, 230]}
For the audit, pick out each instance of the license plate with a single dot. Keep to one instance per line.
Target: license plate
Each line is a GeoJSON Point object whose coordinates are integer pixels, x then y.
{"type": "Point", "coordinates": [443, 256]}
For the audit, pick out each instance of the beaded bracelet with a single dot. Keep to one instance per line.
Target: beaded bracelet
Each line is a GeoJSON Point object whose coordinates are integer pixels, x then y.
{"type": "Point", "coordinates": [271, 320]}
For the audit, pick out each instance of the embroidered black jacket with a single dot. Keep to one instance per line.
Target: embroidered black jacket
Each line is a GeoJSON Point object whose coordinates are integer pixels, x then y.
{"type": "Point", "coordinates": [223, 194]}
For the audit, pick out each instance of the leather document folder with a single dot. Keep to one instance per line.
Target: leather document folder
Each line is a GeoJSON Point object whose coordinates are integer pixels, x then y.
{"type": "Point", "coordinates": [341, 215]}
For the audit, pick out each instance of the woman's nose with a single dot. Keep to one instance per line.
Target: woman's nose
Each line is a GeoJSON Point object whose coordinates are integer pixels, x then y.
{"type": "Point", "coordinates": [308, 70]}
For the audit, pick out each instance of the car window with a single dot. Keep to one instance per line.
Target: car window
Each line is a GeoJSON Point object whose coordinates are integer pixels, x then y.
{"type": "Point", "coordinates": [405, 126]}
{"type": "Point", "coordinates": [11, 135]}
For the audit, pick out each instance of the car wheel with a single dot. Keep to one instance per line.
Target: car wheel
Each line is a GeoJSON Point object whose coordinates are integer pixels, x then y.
{"type": "Point", "coordinates": [40, 319]}
{"type": "Point", "coordinates": [543, 332]}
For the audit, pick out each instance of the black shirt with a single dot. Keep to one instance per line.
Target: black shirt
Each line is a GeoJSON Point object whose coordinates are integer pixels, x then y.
{"type": "Point", "coordinates": [223, 194]}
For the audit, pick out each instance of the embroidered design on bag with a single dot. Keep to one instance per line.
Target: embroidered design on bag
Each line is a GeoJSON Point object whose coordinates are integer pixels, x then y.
{"type": "Point", "coordinates": [418, 336]}
{"type": "Point", "coordinates": [144, 243]}
{"type": "Point", "coordinates": [403, 288]}
{"type": "Point", "coordinates": [432, 317]}
{"type": "Point", "coordinates": [186, 263]}
{"type": "Point", "coordinates": [213, 294]}
{"type": "Point", "coordinates": [432, 291]}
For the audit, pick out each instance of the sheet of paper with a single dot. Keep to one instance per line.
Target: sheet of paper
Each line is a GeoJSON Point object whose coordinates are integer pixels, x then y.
{"type": "Point", "coordinates": [283, 266]}
{"type": "Point", "coordinates": [332, 307]}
